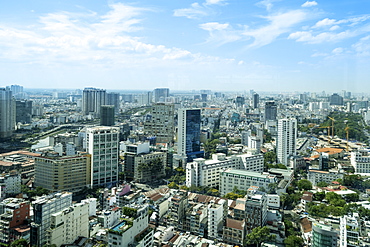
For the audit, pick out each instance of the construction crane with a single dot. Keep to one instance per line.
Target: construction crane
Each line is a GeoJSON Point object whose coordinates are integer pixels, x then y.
{"type": "Point", "coordinates": [332, 126]}
{"type": "Point", "coordinates": [346, 129]}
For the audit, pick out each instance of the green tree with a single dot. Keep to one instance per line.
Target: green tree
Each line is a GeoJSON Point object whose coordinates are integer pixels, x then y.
{"type": "Point", "coordinates": [293, 241]}
{"type": "Point", "coordinates": [304, 184]}
{"type": "Point", "coordinates": [19, 243]}
{"type": "Point", "coordinates": [173, 185]}
{"type": "Point", "coordinates": [258, 236]}
{"type": "Point", "coordinates": [352, 197]}
{"type": "Point", "coordinates": [322, 184]}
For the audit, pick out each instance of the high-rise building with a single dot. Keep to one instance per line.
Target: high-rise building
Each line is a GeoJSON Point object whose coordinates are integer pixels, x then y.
{"type": "Point", "coordinates": [70, 173]}
{"type": "Point", "coordinates": [16, 89]}
{"type": "Point", "coordinates": [43, 208]}
{"type": "Point", "coordinates": [7, 113]}
{"type": "Point", "coordinates": [102, 144]}
{"type": "Point", "coordinates": [286, 141]}
{"type": "Point", "coordinates": [162, 123]}
{"type": "Point", "coordinates": [107, 115]}
{"type": "Point", "coordinates": [92, 100]}
{"type": "Point", "coordinates": [160, 94]}
{"type": "Point", "coordinates": [188, 141]}
{"type": "Point", "coordinates": [336, 99]}
{"type": "Point", "coordinates": [239, 101]}
{"type": "Point", "coordinates": [23, 111]}
{"type": "Point", "coordinates": [270, 110]}
{"type": "Point", "coordinates": [113, 99]}
{"type": "Point", "coordinates": [255, 100]}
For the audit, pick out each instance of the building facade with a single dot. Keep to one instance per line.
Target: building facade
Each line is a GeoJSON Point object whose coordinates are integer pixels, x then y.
{"type": "Point", "coordinates": [43, 209]}
{"type": "Point", "coordinates": [107, 115]}
{"type": "Point", "coordinates": [63, 173]}
{"type": "Point", "coordinates": [286, 141]}
{"type": "Point", "coordinates": [270, 111]}
{"type": "Point", "coordinates": [242, 180]}
{"type": "Point", "coordinates": [7, 113]}
{"type": "Point", "coordinates": [162, 123]}
{"type": "Point", "coordinates": [102, 143]}
{"type": "Point", "coordinates": [188, 140]}
{"type": "Point", "coordinates": [92, 100]}
{"type": "Point", "coordinates": [69, 224]}
{"type": "Point", "coordinates": [203, 172]}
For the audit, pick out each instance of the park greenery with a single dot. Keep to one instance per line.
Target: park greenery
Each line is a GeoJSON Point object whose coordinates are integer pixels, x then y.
{"type": "Point", "coordinates": [335, 204]}
{"type": "Point", "coordinates": [258, 236]}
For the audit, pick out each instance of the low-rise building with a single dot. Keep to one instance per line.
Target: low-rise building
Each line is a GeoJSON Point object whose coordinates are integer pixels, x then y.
{"type": "Point", "coordinates": [203, 172]}
{"type": "Point", "coordinates": [242, 180]}
{"type": "Point", "coordinates": [62, 173]}
{"type": "Point", "coordinates": [315, 176]}
{"type": "Point", "coordinates": [133, 230]}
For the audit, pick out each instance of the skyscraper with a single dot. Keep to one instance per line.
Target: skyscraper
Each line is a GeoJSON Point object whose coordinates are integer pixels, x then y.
{"type": "Point", "coordinates": [286, 141]}
{"type": "Point", "coordinates": [92, 99]}
{"type": "Point", "coordinates": [255, 100]}
{"type": "Point", "coordinates": [113, 99]}
{"type": "Point", "coordinates": [160, 94]}
{"type": "Point", "coordinates": [107, 115]}
{"type": "Point", "coordinates": [188, 141]}
{"type": "Point", "coordinates": [102, 144]}
{"type": "Point", "coordinates": [270, 110]}
{"type": "Point", "coordinates": [23, 111]}
{"type": "Point", "coordinates": [7, 113]}
{"type": "Point", "coordinates": [162, 124]}
{"type": "Point", "coordinates": [336, 99]}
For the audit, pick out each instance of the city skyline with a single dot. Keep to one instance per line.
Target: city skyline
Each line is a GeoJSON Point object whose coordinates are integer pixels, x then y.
{"type": "Point", "coordinates": [267, 45]}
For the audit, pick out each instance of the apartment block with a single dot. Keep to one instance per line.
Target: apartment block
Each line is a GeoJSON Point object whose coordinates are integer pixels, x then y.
{"type": "Point", "coordinates": [315, 176]}
{"type": "Point", "coordinates": [242, 180]}
{"type": "Point", "coordinates": [62, 173]}
{"type": "Point", "coordinates": [134, 230]}
{"type": "Point", "coordinates": [14, 214]}
{"type": "Point", "coordinates": [69, 224]}
{"type": "Point", "coordinates": [203, 172]}
{"type": "Point", "coordinates": [43, 209]}
{"type": "Point", "coordinates": [102, 144]}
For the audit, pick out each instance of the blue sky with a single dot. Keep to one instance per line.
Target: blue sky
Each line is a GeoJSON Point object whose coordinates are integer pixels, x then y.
{"type": "Point", "coordinates": [235, 45]}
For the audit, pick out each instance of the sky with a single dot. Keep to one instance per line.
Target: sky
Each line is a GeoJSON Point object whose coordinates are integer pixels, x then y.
{"type": "Point", "coordinates": [220, 45]}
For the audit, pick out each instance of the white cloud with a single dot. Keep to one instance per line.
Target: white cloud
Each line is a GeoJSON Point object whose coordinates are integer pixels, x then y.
{"type": "Point", "coordinates": [211, 26]}
{"type": "Point", "coordinates": [309, 4]}
{"type": "Point", "coordinates": [325, 22]}
{"type": "Point", "coordinates": [321, 37]}
{"type": "Point", "coordinates": [195, 11]}
{"type": "Point", "coordinates": [268, 4]}
{"type": "Point", "coordinates": [64, 38]}
{"type": "Point", "coordinates": [338, 50]}
{"type": "Point", "coordinates": [220, 33]}
{"type": "Point", "coordinates": [362, 47]}
{"type": "Point", "coordinates": [279, 24]}
{"type": "Point", "coordinates": [219, 2]}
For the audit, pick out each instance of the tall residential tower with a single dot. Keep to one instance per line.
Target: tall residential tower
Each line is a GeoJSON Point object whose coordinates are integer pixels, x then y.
{"type": "Point", "coordinates": [286, 141]}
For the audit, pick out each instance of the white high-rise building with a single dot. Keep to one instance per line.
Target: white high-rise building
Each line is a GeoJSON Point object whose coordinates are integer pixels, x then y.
{"type": "Point", "coordinates": [286, 141]}
{"type": "Point", "coordinates": [103, 145]}
{"type": "Point", "coordinates": [7, 113]}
